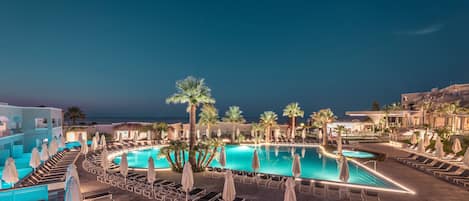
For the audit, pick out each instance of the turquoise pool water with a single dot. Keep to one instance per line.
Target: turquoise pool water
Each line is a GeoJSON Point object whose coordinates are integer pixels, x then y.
{"type": "Point", "coordinates": [275, 160]}
{"type": "Point", "coordinates": [357, 154]}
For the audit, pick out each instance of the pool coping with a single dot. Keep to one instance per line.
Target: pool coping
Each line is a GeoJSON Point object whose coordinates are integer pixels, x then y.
{"type": "Point", "coordinates": [405, 190]}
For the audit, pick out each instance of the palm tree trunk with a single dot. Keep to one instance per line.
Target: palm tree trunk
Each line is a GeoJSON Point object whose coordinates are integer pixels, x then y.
{"type": "Point", "coordinates": [192, 135]}
{"type": "Point", "coordinates": [324, 134]}
{"type": "Point", "coordinates": [293, 127]}
{"type": "Point", "coordinates": [233, 135]}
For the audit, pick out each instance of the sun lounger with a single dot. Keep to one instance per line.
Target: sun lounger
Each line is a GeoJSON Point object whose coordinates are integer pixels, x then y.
{"type": "Point", "coordinates": [211, 196]}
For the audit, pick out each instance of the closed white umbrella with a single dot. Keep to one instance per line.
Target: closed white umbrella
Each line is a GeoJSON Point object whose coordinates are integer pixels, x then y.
{"type": "Point", "coordinates": [124, 166]}
{"type": "Point", "coordinates": [255, 165]}
{"type": "Point", "coordinates": [303, 152]}
{"type": "Point", "coordinates": [44, 152]}
{"type": "Point", "coordinates": [290, 194]}
{"type": "Point", "coordinates": [187, 180]}
{"type": "Point", "coordinates": [61, 142]}
{"type": "Point", "coordinates": [413, 140]}
{"type": "Point", "coordinates": [84, 147]}
{"type": "Point", "coordinates": [72, 190]}
{"type": "Point", "coordinates": [296, 166]}
{"type": "Point", "coordinates": [10, 174]}
{"type": "Point", "coordinates": [104, 161]}
{"type": "Point", "coordinates": [237, 132]}
{"type": "Point", "coordinates": [426, 140]}
{"type": "Point", "coordinates": [421, 147]}
{"type": "Point", "coordinates": [465, 160]}
{"type": "Point", "coordinates": [303, 134]}
{"type": "Point", "coordinates": [440, 153]}
{"type": "Point", "coordinates": [94, 143]}
{"type": "Point", "coordinates": [35, 160]}
{"type": "Point", "coordinates": [151, 174]}
{"type": "Point", "coordinates": [456, 146]}
{"type": "Point", "coordinates": [103, 141]}
{"type": "Point", "coordinates": [222, 157]}
{"type": "Point", "coordinates": [276, 134]}
{"type": "Point", "coordinates": [53, 147]}
{"type": "Point", "coordinates": [96, 135]}
{"type": "Point", "coordinates": [72, 172]}
{"type": "Point", "coordinates": [229, 191]}
{"type": "Point", "coordinates": [344, 174]}
{"type": "Point", "coordinates": [219, 133]}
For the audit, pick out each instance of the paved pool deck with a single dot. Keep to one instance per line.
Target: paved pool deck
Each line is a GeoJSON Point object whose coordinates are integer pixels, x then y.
{"type": "Point", "coordinates": [427, 187]}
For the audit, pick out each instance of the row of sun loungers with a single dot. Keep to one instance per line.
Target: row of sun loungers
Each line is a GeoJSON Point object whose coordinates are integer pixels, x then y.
{"type": "Point", "coordinates": [53, 170]}
{"type": "Point", "coordinates": [320, 190]}
{"type": "Point", "coordinates": [443, 169]}
{"type": "Point", "coordinates": [136, 183]}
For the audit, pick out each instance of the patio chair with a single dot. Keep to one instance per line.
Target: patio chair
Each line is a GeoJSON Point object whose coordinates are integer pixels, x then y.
{"type": "Point", "coordinates": [356, 195]}
{"type": "Point", "coordinates": [319, 190]}
{"type": "Point", "coordinates": [332, 192]}
{"type": "Point", "coordinates": [211, 196]}
{"type": "Point", "coordinates": [304, 186]}
{"type": "Point", "coordinates": [276, 182]}
{"type": "Point", "coordinates": [372, 196]}
{"type": "Point", "coordinates": [263, 180]}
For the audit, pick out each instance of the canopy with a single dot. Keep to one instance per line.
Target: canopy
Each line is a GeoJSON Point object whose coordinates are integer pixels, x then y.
{"type": "Point", "coordinates": [456, 146]}
{"type": "Point", "coordinates": [124, 166]}
{"type": "Point", "coordinates": [94, 143]}
{"type": "Point", "coordinates": [255, 161]}
{"type": "Point", "coordinates": [465, 160]}
{"type": "Point", "coordinates": [296, 166]}
{"type": "Point", "coordinates": [151, 174]}
{"type": "Point", "coordinates": [104, 161]}
{"type": "Point", "coordinates": [289, 190]}
{"type": "Point", "coordinates": [229, 191]}
{"type": "Point", "coordinates": [53, 147]}
{"type": "Point", "coordinates": [10, 174]}
{"type": "Point", "coordinates": [103, 141]}
{"type": "Point", "coordinates": [187, 180]}
{"type": "Point", "coordinates": [35, 160]}
{"type": "Point", "coordinates": [44, 152]}
{"type": "Point", "coordinates": [72, 190]}
{"type": "Point", "coordinates": [72, 172]}
{"type": "Point", "coordinates": [222, 159]}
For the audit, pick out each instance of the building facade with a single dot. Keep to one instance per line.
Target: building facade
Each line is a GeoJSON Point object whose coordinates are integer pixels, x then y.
{"type": "Point", "coordinates": [447, 107]}
{"type": "Point", "coordinates": [23, 128]}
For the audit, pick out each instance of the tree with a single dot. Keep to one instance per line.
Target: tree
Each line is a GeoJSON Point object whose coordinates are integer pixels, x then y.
{"type": "Point", "coordinates": [208, 116]}
{"type": "Point", "coordinates": [267, 120]}
{"type": "Point", "coordinates": [451, 110]}
{"type": "Point", "coordinates": [425, 107]}
{"type": "Point", "coordinates": [194, 92]}
{"type": "Point", "coordinates": [292, 111]}
{"type": "Point", "coordinates": [323, 117]}
{"type": "Point", "coordinates": [235, 116]}
{"type": "Point", "coordinates": [388, 109]}
{"type": "Point", "coordinates": [257, 127]}
{"type": "Point", "coordinates": [375, 106]}
{"type": "Point", "coordinates": [160, 127]}
{"type": "Point", "coordinates": [74, 113]}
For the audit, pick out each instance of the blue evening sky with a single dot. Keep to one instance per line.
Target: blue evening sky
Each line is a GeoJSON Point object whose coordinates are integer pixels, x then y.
{"type": "Point", "coordinates": [121, 58]}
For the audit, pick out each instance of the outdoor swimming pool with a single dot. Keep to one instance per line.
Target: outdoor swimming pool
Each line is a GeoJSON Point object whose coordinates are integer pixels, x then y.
{"type": "Point", "coordinates": [357, 154]}
{"type": "Point", "coordinates": [277, 160]}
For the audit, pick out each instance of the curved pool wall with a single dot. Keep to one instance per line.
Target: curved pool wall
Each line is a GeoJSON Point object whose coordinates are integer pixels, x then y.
{"type": "Point", "coordinates": [278, 160]}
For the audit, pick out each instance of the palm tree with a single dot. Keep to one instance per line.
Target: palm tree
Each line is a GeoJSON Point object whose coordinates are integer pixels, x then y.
{"type": "Point", "coordinates": [160, 127]}
{"type": "Point", "coordinates": [208, 116]}
{"type": "Point", "coordinates": [267, 120]}
{"type": "Point", "coordinates": [388, 109]}
{"type": "Point", "coordinates": [194, 92]}
{"type": "Point", "coordinates": [257, 127]}
{"type": "Point", "coordinates": [425, 107]}
{"type": "Point", "coordinates": [74, 113]}
{"type": "Point", "coordinates": [323, 117]}
{"type": "Point", "coordinates": [339, 130]}
{"type": "Point", "coordinates": [293, 110]}
{"type": "Point", "coordinates": [235, 116]}
{"type": "Point", "coordinates": [451, 110]}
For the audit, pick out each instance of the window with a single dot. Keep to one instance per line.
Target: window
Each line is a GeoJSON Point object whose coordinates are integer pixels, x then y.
{"type": "Point", "coordinates": [41, 122]}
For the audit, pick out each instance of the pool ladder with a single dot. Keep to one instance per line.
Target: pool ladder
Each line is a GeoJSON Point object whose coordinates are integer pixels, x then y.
{"type": "Point", "coordinates": [371, 161]}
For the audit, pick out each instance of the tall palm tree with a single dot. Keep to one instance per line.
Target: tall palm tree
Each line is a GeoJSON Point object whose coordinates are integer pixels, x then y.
{"type": "Point", "coordinates": [208, 116]}
{"type": "Point", "coordinates": [292, 111]}
{"type": "Point", "coordinates": [74, 113]}
{"type": "Point", "coordinates": [194, 92]}
{"type": "Point", "coordinates": [268, 119]}
{"type": "Point", "coordinates": [235, 116]}
{"type": "Point", "coordinates": [160, 127]}
{"type": "Point", "coordinates": [339, 130]}
{"type": "Point", "coordinates": [323, 117]}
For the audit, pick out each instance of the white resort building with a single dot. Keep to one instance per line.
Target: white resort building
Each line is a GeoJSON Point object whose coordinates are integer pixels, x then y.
{"type": "Point", "coordinates": [23, 128]}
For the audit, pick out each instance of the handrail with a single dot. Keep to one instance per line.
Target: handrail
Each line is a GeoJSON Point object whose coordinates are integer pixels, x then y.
{"type": "Point", "coordinates": [371, 161]}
